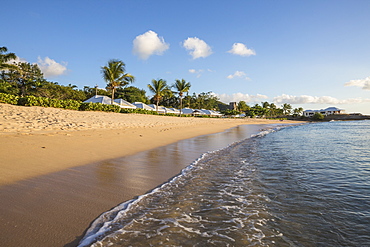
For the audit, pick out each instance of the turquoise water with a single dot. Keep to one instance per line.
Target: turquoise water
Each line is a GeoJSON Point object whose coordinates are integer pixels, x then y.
{"type": "Point", "coordinates": [305, 185]}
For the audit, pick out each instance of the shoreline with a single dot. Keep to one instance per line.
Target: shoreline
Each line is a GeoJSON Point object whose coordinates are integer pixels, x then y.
{"type": "Point", "coordinates": [249, 131]}
{"type": "Point", "coordinates": [55, 183]}
{"type": "Point", "coordinates": [37, 141]}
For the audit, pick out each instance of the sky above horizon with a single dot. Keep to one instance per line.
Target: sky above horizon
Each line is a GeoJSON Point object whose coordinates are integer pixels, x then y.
{"type": "Point", "coordinates": [310, 54]}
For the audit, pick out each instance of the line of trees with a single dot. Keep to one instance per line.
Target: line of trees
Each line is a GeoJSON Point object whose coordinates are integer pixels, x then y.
{"type": "Point", "coordinates": [26, 79]}
{"type": "Point", "coordinates": [267, 109]}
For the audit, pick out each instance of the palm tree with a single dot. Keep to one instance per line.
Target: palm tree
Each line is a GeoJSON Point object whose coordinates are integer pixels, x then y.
{"type": "Point", "coordinates": [286, 108]}
{"type": "Point", "coordinates": [297, 111]}
{"type": "Point", "coordinates": [242, 106]}
{"type": "Point", "coordinates": [159, 88]}
{"type": "Point", "coordinates": [181, 87]}
{"type": "Point", "coordinates": [115, 76]}
{"type": "Point", "coordinates": [5, 58]}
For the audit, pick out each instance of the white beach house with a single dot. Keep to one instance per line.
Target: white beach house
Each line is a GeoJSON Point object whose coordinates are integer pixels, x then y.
{"type": "Point", "coordinates": [161, 109]}
{"type": "Point", "coordinates": [141, 105]}
{"type": "Point", "coordinates": [325, 112]}
{"type": "Point", "coordinates": [211, 113]}
{"type": "Point", "coordinates": [173, 110]}
{"type": "Point", "coordinates": [124, 104]}
{"type": "Point", "coordinates": [193, 112]}
{"type": "Point", "coordinates": [102, 99]}
{"type": "Point", "coordinates": [165, 110]}
{"type": "Point", "coordinates": [99, 99]}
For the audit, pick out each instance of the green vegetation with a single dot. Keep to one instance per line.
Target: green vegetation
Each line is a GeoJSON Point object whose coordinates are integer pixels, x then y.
{"type": "Point", "coordinates": [24, 84]}
{"type": "Point", "coordinates": [231, 112]}
{"type": "Point", "coordinates": [203, 101]}
{"type": "Point", "coordinates": [8, 99]}
{"type": "Point", "coordinates": [181, 87]}
{"type": "Point", "coordinates": [138, 111]}
{"type": "Point", "coordinates": [271, 111]}
{"type": "Point", "coordinates": [243, 107]}
{"type": "Point", "coordinates": [5, 58]}
{"type": "Point", "coordinates": [160, 89]}
{"type": "Point", "coordinates": [318, 116]}
{"type": "Point", "coordinates": [114, 74]}
{"type": "Point", "coordinates": [54, 91]}
{"type": "Point", "coordinates": [46, 102]}
{"type": "Point", "coordinates": [132, 94]}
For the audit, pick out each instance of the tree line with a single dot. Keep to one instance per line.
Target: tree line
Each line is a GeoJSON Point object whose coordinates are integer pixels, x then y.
{"type": "Point", "coordinates": [26, 79]}
{"type": "Point", "coordinates": [270, 110]}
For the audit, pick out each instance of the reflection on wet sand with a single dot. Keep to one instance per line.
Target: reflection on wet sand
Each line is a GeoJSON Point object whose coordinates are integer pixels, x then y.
{"type": "Point", "coordinates": [74, 197]}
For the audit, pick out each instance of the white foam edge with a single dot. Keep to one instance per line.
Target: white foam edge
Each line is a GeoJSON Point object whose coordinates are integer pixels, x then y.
{"type": "Point", "coordinates": [92, 234]}
{"type": "Point", "coordinates": [95, 231]}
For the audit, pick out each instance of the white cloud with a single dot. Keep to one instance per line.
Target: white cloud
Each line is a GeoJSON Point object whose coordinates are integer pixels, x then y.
{"type": "Point", "coordinates": [198, 48]}
{"type": "Point", "coordinates": [241, 50]}
{"type": "Point", "coordinates": [306, 99]}
{"type": "Point", "coordinates": [238, 74]}
{"type": "Point", "coordinates": [236, 97]}
{"type": "Point", "coordinates": [50, 68]}
{"type": "Point", "coordinates": [148, 44]}
{"type": "Point", "coordinates": [198, 73]}
{"type": "Point", "coordinates": [363, 83]}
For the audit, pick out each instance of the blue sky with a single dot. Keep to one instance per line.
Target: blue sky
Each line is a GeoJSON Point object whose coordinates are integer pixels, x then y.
{"type": "Point", "coordinates": [311, 54]}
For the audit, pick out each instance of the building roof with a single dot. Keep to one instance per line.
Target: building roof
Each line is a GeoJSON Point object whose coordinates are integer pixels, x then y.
{"type": "Point", "coordinates": [100, 99]}
{"type": "Point", "coordinates": [164, 110]}
{"type": "Point", "coordinates": [192, 111]}
{"type": "Point", "coordinates": [124, 104]}
{"type": "Point", "coordinates": [141, 105]}
{"type": "Point", "coordinates": [211, 112]}
{"type": "Point", "coordinates": [333, 109]}
{"type": "Point", "coordinates": [174, 110]}
{"type": "Point", "coordinates": [187, 111]}
{"type": "Point", "coordinates": [326, 109]}
{"type": "Point", "coordinates": [161, 109]}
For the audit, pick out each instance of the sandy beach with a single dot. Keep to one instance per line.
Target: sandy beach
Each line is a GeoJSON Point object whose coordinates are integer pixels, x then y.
{"type": "Point", "coordinates": [49, 157]}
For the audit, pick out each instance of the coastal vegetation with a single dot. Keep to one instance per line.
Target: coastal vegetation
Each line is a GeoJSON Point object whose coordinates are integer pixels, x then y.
{"type": "Point", "coordinates": [23, 83]}
{"type": "Point", "coordinates": [116, 77]}
{"type": "Point", "coordinates": [160, 89]}
{"type": "Point", "coordinates": [181, 87]}
{"type": "Point", "coordinates": [5, 58]}
{"type": "Point", "coordinates": [318, 116]}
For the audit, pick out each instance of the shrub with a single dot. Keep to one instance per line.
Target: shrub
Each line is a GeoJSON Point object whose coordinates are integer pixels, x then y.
{"type": "Point", "coordinates": [318, 116]}
{"type": "Point", "coordinates": [90, 107]}
{"type": "Point", "coordinates": [111, 108]}
{"type": "Point", "coordinates": [138, 111]}
{"type": "Point", "coordinates": [46, 102]}
{"type": "Point", "coordinates": [8, 98]}
{"type": "Point", "coordinates": [231, 112]}
{"type": "Point", "coordinates": [171, 114]}
{"type": "Point", "coordinates": [71, 104]}
{"type": "Point", "coordinates": [32, 101]}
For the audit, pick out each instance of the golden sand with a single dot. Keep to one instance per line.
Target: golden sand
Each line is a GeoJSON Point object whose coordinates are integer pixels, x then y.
{"type": "Point", "coordinates": [57, 170]}
{"type": "Point", "coordinates": [36, 141]}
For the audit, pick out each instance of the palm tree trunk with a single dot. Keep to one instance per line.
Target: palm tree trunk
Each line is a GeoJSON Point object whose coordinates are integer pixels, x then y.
{"type": "Point", "coordinates": [112, 96]}
{"type": "Point", "coordinates": [180, 106]}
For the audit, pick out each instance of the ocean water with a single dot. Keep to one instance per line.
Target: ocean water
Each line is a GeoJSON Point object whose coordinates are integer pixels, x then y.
{"type": "Point", "coordinates": [306, 185]}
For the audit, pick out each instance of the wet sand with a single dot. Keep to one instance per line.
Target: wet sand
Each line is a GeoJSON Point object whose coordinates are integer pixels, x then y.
{"type": "Point", "coordinates": [37, 141]}
{"type": "Point", "coordinates": [49, 195]}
